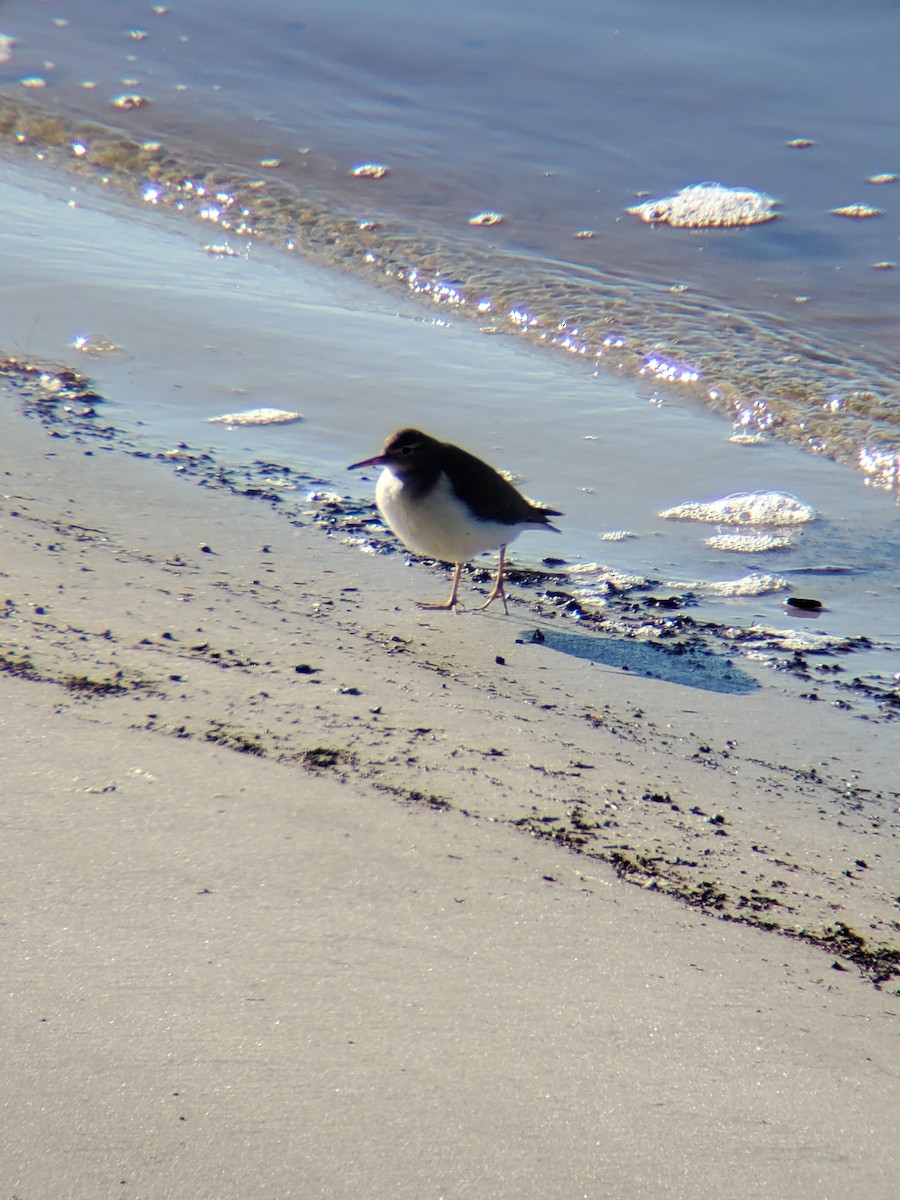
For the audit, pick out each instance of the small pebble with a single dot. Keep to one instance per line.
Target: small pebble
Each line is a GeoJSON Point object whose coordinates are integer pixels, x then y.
{"type": "Point", "coordinates": [807, 604]}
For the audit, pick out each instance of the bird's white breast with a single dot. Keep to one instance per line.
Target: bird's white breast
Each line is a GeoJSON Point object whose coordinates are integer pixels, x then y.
{"type": "Point", "coordinates": [438, 524]}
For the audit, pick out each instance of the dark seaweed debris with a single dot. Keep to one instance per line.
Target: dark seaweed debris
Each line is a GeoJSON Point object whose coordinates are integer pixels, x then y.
{"type": "Point", "coordinates": [326, 758]}
{"type": "Point", "coordinates": [81, 685]}
{"type": "Point", "coordinates": [879, 963]}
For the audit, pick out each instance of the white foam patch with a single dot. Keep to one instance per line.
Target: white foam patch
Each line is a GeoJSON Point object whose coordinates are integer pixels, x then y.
{"type": "Point", "coordinates": [319, 497]}
{"type": "Point", "coordinates": [360, 544]}
{"type": "Point", "coordinates": [709, 205]}
{"type": "Point", "coordinates": [755, 584]}
{"type": "Point", "coordinates": [592, 575]}
{"type": "Point", "coordinates": [789, 639]}
{"type": "Point", "coordinates": [750, 439]}
{"type": "Point", "coordinates": [616, 535]}
{"type": "Point", "coordinates": [745, 508]}
{"type": "Point", "coordinates": [256, 416]}
{"type": "Point", "coordinates": [750, 543]}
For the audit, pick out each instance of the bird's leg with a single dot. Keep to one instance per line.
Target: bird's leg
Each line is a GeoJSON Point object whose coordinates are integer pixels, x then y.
{"type": "Point", "coordinates": [449, 605]}
{"type": "Point", "coordinates": [497, 589]}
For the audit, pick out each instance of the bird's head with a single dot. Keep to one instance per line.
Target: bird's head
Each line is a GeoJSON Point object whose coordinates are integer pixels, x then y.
{"type": "Point", "coordinates": [405, 453]}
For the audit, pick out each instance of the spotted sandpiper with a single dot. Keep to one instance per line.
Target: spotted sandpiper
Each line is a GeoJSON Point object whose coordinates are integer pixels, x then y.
{"type": "Point", "coordinates": [443, 502]}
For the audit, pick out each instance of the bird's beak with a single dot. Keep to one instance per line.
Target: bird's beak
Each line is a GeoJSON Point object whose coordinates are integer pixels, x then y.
{"type": "Point", "coordinates": [378, 461]}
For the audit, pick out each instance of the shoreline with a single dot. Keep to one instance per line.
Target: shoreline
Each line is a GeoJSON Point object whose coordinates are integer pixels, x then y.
{"type": "Point", "coordinates": [199, 334]}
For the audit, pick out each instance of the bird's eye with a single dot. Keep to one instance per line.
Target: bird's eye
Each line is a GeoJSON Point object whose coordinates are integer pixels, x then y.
{"type": "Point", "coordinates": [407, 450]}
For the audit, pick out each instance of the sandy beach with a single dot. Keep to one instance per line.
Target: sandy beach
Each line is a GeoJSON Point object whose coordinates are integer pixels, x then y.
{"type": "Point", "coordinates": [308, 892]}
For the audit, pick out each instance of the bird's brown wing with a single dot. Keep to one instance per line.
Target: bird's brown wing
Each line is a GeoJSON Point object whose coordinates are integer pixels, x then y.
{"type": "Point", "coordinates": [485, 489]}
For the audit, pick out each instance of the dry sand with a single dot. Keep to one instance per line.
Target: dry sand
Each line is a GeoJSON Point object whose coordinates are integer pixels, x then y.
{"type": "Point", "coordinates": [308, 893]}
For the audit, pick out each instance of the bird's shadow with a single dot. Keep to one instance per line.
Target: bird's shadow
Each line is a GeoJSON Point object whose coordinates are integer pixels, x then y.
{"type": "Point", "coordinates": [689, 666]}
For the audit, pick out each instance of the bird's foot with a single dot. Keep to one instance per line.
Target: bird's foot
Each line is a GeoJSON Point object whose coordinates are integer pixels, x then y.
{"type": "Point", "coordinates": [441, 605]}
{"type": "Point", "coordinates": [497, 593]}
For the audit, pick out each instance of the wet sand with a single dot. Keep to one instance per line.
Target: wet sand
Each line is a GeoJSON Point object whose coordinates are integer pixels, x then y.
{"type": "Point", "coordinates": [312, 893]}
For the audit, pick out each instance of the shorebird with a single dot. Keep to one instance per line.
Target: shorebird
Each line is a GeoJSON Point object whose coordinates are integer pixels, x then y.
{"type": "Point", "coordinates": [443, 502]}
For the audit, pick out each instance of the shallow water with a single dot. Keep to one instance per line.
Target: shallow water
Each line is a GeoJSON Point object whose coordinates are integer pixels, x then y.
{"type": "Point", "coordinates": [557, 123]}
{"type": "Point", "coordinates": [199, 335]}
